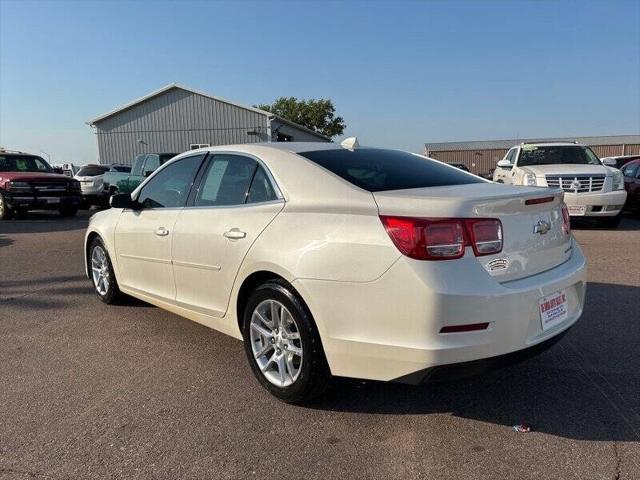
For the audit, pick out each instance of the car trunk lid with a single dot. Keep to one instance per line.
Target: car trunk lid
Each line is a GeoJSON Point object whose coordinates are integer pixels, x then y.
{"type": "Point", "coordinates": [534, 239]}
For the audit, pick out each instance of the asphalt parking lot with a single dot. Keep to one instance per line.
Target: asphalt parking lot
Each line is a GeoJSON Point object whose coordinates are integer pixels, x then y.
{"type": "Point", "coordinates": [92, 391]}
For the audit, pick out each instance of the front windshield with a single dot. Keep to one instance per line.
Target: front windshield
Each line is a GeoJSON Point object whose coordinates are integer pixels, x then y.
{"type": "Point", "coordinates": [556, 155]}
{"type": "Point", "coordinates": [92, 170]}
{"type": "Point", "coordinates": [23, 163]}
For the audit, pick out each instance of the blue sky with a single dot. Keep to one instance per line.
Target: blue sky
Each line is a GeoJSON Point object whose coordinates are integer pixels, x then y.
{"type": "Point", "coordinates": [400, 73]}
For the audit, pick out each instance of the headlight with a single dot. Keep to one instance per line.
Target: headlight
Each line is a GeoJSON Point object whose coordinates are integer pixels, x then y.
{"type": "Point", "coordinates": [529, 179]}
{"type": "Point", "coordinates": [618, 180]}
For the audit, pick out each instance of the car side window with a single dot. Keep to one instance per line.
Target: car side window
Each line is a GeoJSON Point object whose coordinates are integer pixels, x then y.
{"type": "Point", "coordinates": [170, 187]}
{"type": "Point", "coordinates": [151, 164]}
{"type": "Point", "coordinates": [261, 189]}
{"type": "Point", "coordinates": [512, 155]}
{"type": "Point", "coordinates": [630, 170]}
{"type": "Point", "coordinates": [138, 163]}
{"type": "Point", "coordinates": [226, 181]}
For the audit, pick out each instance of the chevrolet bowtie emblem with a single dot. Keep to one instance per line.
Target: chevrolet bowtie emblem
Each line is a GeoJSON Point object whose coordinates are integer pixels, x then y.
{"type": "Point", "coordinates": [541, 227]}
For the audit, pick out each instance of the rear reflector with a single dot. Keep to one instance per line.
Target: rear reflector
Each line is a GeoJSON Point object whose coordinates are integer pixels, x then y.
{"type": "Point", "coordinates": [470, 327]}
{"type": "Point", "coordinates": [443, 238]}
{"type": "Point", "coordinates": [536, 201]}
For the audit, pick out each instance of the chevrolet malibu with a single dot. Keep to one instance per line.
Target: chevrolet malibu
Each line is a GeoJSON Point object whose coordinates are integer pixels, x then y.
{"type": "Point", "coordinates": [339, 260]}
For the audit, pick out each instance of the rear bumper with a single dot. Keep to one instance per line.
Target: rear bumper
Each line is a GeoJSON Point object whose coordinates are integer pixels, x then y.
{"type": "Point", "coordinates": [30, 202]}
{"type": "Point", "coordinates": [475, 367]}
{"type": "Point", "coordinates": [390, 328]}
{"type": "Point", "coordinates": [88, 190]}
{"type": "Point", "coordinates": [598, 204]}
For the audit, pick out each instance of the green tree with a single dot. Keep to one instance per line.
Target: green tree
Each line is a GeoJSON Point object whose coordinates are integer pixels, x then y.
{"type": "Point", "coordinates": [316, 115]}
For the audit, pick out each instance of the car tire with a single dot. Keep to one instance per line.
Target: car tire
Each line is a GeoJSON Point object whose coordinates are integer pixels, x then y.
{"type": "Point", "coordinates": [104, 281]}
{"type": "Point", "coordinates": [305, 373]}
{"type": "Point", "coordinates": [611, 222]}
{"type": "Point", "coordinates": [68, 211]}
{"type": "Point", "coordinates": [5, 212]}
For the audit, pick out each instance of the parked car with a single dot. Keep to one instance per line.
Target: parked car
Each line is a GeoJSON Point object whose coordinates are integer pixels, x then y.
{"type": "Point", "coordinates": [27, 182]}
{"type": "Point", "coordinates": [631, 172]}
{"type": "Point", "coordinates": [145, 164]}
{"type": "Point", "coordinates": [91, 184]}
{"type": "Point", "coordinates": [333, 260]}
{"type": "Point", "coordinates": [591, 189]}
{"type": "Point", "coordinates": [67, 169]}
{"type": "Point", "coordinates": [618, 162]}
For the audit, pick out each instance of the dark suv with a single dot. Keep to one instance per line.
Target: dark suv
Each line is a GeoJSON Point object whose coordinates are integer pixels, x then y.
{"type": "Point", "coordinates": [27, 182]}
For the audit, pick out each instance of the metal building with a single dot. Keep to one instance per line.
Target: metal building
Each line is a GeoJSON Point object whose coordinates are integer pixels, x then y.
{"type": "Point", "coordinates": [175, 119]}
{"type": "Point", "coordinates": [481, 157]}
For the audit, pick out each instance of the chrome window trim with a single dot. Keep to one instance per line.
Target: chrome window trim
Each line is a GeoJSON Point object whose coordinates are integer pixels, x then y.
{"type": "Point", "coordinates": [240, 205]}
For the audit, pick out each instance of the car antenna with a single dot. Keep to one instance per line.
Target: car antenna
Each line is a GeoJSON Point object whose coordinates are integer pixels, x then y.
{"type": "Point", "coordinates": [350, 143]}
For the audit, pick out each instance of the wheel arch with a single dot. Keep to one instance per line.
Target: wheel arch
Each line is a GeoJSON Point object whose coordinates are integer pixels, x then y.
{"type": "Point", "coordinates": [91, 236]}
{"type": "Point", "coordinates": [257, 278]}
{"type": "Point", "coordinates": [250, 282]}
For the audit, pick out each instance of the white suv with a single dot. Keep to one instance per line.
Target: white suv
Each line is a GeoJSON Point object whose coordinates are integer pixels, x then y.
{"type": "Point", "coordinates": [591, 188]}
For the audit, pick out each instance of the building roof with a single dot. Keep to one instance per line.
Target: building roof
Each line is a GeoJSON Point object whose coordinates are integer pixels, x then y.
{"type": "Point", "coordinates": [505, 144]}
{"type": "Point", "coordinates": [171, 86]}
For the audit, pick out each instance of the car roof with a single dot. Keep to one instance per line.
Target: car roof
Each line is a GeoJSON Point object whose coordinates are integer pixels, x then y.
{"type": "Point", "coordinates": [293, 147]}
{"type": "Point", "coordinates": [625, 156]}
{"type": "Point", "coordinates": [9, 153]}
{"type": "Point", "coordinates": [552, 144]}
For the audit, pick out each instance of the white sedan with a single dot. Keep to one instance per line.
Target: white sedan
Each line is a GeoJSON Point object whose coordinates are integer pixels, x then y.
{"type": "Point", "coordinates": [338, 260]}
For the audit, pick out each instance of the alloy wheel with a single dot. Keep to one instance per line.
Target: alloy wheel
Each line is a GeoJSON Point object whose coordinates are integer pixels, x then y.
{"type": "Point", "coordinates": [100, 270]}
{"type": "Point", "coordinates": [276, 343]}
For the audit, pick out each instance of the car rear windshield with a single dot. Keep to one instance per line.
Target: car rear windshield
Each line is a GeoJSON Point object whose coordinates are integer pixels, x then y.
{"type": "Point", "coordinates": [92, 170]}
{"type": "Point", "coordinates": [376, 169]}
{"type": "Point", "coordinates": [556, 155]}
{"type": "Point", "coordinates": [23, 163]}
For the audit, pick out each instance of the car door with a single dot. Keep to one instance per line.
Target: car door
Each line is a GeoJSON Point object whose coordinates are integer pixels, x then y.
{"type": "Point", "coordinates": [234, 201]}
{"type": "Point", "coordinates": [143, 235]}
{"type": "Point", "coordinates": [501, 172]}
{"type": "Point", "coordinates": [510, 174]}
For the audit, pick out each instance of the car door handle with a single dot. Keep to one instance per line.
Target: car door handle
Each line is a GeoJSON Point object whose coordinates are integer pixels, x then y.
{"type": "Point", "coordinates": [234, 234]}
{"type": "Point", "coordinates": [162, 232]}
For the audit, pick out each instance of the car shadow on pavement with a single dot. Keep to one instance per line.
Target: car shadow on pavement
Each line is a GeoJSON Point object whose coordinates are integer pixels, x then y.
{"type": "Point", "coordinates": [5, 241]}
{"type": "Point", "coordinates": [54, 291]}
{"type": "Point", "coordinates": [45, 222]}
{"type": "Point", "coordinates": [585, 387]}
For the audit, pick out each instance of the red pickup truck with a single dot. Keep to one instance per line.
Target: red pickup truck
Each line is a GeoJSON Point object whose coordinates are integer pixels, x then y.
{"type": "Point", "coordinates": [27, 182]}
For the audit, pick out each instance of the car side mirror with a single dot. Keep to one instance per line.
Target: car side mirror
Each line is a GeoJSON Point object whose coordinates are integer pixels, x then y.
{"type": "Point", "coordinates": [505, 164]}
{"type": "Point", "coordinates": [124, 200]}
{"type": "Point", "coordinates": [609, 162]}
{"type": "Point", "coordinates": [148, 172]}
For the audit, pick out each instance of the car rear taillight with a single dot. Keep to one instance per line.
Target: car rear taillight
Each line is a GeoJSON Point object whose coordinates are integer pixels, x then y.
{"type": "Point", "coordinates": [443, 238]}
{"type": "Point", "coordinates": [566, 220]}
{"type": "Point", "coordinates": [486, 236]}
